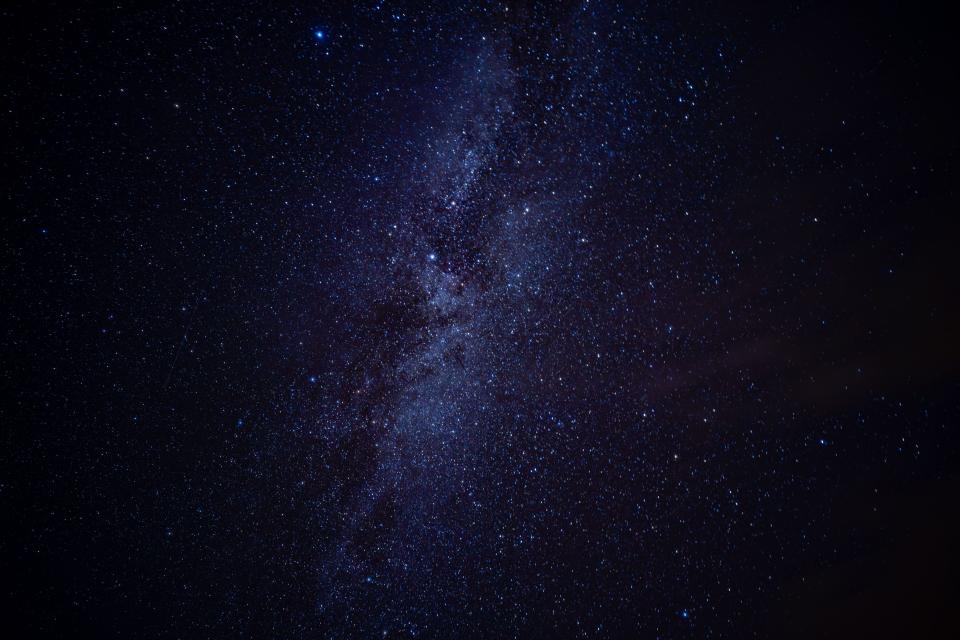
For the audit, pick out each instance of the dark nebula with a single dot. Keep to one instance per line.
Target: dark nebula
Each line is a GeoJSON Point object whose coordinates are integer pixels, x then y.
{"type": "Point", "coordinates": [479, 320]}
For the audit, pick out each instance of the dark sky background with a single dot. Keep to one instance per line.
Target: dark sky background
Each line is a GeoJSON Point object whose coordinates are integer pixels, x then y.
{"type": "Point", "coordinates": [533, 320]}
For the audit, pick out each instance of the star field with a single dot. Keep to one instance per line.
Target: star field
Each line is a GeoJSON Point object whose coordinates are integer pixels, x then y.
{"type": "Point", "coordinates": [481, 319]}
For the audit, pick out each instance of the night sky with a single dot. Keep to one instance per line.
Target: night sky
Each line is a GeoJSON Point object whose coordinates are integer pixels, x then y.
{"type": "Point", "coordinates": [479, 320]}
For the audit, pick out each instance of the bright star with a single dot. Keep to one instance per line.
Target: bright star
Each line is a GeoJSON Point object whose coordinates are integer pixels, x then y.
{"type": "Point", "coordinates": [319, 35]}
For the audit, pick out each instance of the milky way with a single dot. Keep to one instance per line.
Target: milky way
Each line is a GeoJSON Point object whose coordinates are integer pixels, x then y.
{"type": "Point", "coordinates": [515, 320]}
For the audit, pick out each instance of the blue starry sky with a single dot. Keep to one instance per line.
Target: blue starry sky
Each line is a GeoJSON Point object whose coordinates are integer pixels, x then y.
{"type": "Point", "coordinates": [478, 320]}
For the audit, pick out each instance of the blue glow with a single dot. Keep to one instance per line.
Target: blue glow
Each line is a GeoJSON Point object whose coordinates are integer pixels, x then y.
{"type": "Point", "coordinates": [319, 35]}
